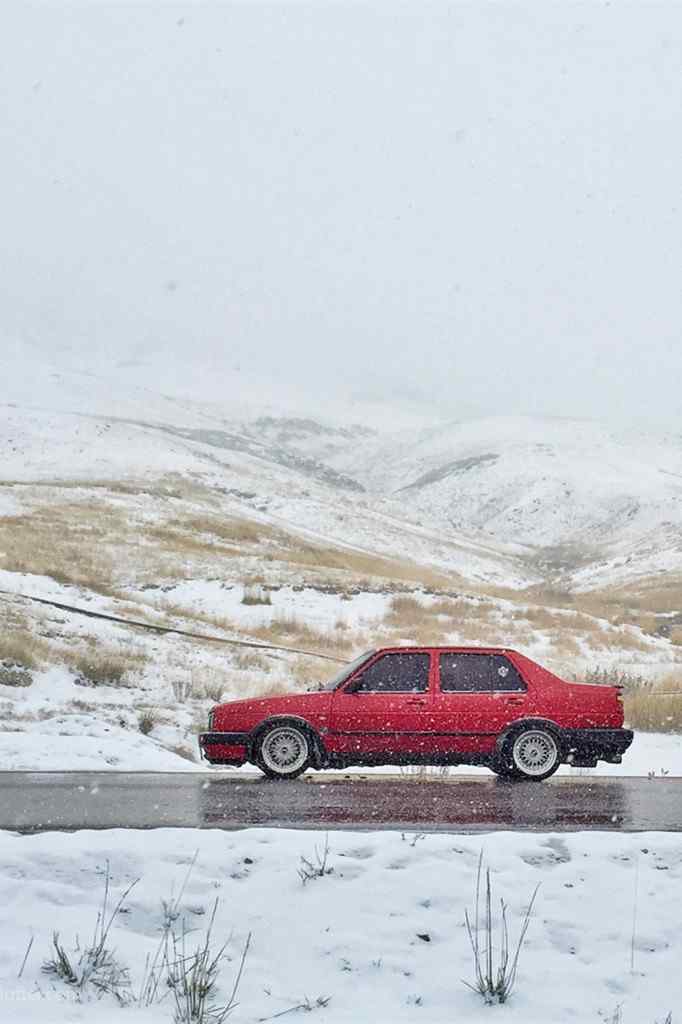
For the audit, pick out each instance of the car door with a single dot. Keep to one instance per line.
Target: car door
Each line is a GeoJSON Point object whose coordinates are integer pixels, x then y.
{"type": "Point", "coordinates": [477, 695]}
{"type": "Point", "coordinates": [383, 708]}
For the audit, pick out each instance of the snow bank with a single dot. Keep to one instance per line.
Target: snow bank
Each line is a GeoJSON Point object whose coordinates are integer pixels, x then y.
{"type": "Point", "coordinates": [382, 935]}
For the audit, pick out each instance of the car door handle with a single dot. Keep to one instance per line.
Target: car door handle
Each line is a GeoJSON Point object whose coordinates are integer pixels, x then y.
{"type": "Point", "coordinates": [416, 701]}
{"type": "Point", "coordinates": [514, 700]}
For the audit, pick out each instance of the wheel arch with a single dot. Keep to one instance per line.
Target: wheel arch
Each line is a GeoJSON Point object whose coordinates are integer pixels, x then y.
{"type": "Point", "coordinates": [318, 748]}
{"type": "Point", "coordinates": [531, 723]}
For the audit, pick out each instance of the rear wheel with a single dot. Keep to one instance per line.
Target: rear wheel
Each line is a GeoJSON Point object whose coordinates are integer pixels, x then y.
{"type": "Point", "coordinates": [532, 753]}
{"type": "Point", "coordinates": [283, 752]}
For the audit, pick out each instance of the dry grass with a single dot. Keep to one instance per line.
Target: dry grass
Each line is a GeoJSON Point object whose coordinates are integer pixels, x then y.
{"type": "Point", "coordinates": [438, 618]}
{"type": "Point", "coordinates": [146, 720]}
{"type": "Point", "coordinates": [291, 632]}
{"type": "Point", "coordinates": [254, 595]}
{"type": "Point", "coordinates": [263, 689]}
{"type": "Point", "coordinates": [11, 675]}
{"type": "Point", "coordinates": [228, 529]}
{"type": "Point", "coordinates": [565, 645]}
{"type": "Point", "coordinates": [213, 685]}
{"type": "Point", "coordinates": [307, 672]}
{"type": "Point", "coordinates": [105, 668]}
{"type": "Point", "coordinates": [19, 647]}
{"type": "Point", "coordinates": [635, 601]}
{"type": "Point", "coordinates": [251, 661]}
{"type": "Point", "coordinates": [363, 565]}
{"type": "Point", "coordinates": [657, 708]}
{"type": "Point", "coordinates": [183, 751]}
{"type": "Point", "coordinates": [197, 618]}
{"type": "Point", "coordinates": [65, 542]}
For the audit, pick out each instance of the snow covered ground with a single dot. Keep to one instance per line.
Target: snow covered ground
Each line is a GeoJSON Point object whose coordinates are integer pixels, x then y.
{"type": "Point", "coordinates": [79, 742]}
{"type": "Point", "coordinates": [381, 936]}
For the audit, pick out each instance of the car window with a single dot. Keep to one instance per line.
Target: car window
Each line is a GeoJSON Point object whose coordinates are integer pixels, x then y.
{"type": "Point", "coordinates": [346, 671]}
{"type": "Point", "coordinates": [473, 673]}
{"type": "Point", "coordinates": [396, 673]}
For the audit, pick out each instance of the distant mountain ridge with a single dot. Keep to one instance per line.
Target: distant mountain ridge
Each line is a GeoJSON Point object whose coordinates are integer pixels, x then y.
{"type": "Point", "coordinates": [573, 499]}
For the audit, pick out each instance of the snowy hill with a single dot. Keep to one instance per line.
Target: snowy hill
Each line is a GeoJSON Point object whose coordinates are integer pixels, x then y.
{"type": "Point", "coordinates": [573, 491]}
{"type": "Point", "coordinates": [508, 500]}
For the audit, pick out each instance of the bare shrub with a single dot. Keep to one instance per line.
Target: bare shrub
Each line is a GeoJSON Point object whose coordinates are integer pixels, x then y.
{"type": "Point", "coordinates": [95, 966]}
{"type": "Point", "coordinates": [254, 594]}
{"type": "Point", "coordinates": [250, 661]}
{"type": "Point", "coordinates": [193, 978]}
{"type": "Point", "coordinates": [494, 976]}
{"type": "Point", "coordinates": [183, 689]}
{"type": "Point", "coordinates": [613, 677]}
{"type": "Point", "coordinates": [318, 867]}
{"type": "Point", "coordinates": [20, 649]}
{"type": "Point", "coordinates": [13, 675]}
{"type": "Point", "coordinates": [94, 668]}
{"type": "Point", "coordinates": [146, 720]}
{"type": "Point", "coordinates": [213, 690]}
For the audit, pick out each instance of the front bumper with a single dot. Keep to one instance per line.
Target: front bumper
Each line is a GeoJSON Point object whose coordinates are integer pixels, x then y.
{"type": "Point", "coordinates": [592, 745]}
{"type": "Point", "coordinates": [224, 747]}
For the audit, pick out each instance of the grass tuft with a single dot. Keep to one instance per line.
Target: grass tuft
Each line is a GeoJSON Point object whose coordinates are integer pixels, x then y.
{"type": "Point", "coordinates": [146, 721]}
{"type": "Point", "coordinates": [254, 594]}
{"type": "Point", "coordinates": [97, 968]}
{"type": "Point", "coordinates": [495, 977]}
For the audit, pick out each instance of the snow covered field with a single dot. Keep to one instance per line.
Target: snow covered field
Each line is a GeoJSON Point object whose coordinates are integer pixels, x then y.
{"type": "Point", "coordinates": [381, 936]}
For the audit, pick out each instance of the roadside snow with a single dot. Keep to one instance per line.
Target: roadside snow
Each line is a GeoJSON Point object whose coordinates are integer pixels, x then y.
{"type": "Point", "coordinates": [82, 743]}
{"type": "Point", "coordinates": [382, 936]}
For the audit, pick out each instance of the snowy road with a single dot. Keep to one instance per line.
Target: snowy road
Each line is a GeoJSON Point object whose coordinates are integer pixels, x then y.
{"type": "Point", "coordinates": [39, 801]}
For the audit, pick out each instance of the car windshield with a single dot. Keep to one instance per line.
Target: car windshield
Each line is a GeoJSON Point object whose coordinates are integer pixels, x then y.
{"type": "Point", "coordinates": [346, 672]}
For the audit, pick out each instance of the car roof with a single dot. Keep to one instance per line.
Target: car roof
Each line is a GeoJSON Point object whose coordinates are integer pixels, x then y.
{"type": "Point", "coordinates": [463, 648]}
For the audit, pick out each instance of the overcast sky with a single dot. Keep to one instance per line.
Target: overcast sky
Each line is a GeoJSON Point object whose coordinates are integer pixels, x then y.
{"type": "Point", "coordinates": [473, 204]}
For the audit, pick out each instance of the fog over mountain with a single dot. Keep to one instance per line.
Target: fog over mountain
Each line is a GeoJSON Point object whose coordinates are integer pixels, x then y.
{"type": "Point", "coordinates": [469, 209]}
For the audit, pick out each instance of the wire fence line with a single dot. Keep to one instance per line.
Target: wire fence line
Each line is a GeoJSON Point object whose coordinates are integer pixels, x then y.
{"type": "Point", "coordinates": [138, 624]}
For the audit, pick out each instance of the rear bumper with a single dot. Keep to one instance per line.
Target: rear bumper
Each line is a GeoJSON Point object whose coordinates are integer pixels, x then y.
{"type": "Point", "coordinates": [597, 744]}
{"type": "Point", "coordinates": [223, 747]}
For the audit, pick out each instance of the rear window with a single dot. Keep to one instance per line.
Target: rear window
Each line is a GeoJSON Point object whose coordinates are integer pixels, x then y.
{"type": "Point", "coordinates": [475, 673]}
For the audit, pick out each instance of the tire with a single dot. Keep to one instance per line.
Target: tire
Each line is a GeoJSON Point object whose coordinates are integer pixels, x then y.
{"type": "Point", "coordinates": [283, 751]}
{"type": "Point", "coordinates": [532, 753]}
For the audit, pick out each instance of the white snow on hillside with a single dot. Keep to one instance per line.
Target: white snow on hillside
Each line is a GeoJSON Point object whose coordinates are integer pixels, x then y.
{"type": "Point", "coordinates": [488, 499]}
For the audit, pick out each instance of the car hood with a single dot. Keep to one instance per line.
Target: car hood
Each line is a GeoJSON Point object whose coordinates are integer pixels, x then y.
{"type": "Point", "coordinates": [244, 714]}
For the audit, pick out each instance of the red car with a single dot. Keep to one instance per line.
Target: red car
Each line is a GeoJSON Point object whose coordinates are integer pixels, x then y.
{"type": "Point", "coordinates": [426, 705]}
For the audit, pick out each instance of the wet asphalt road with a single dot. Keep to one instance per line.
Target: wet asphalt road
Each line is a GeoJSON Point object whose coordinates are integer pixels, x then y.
{"type": "Point", "coordinates": [45, 801]}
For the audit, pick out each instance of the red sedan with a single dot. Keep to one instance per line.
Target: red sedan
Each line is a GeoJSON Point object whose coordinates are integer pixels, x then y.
{"type": "Point", "coordinates": [426, 705]}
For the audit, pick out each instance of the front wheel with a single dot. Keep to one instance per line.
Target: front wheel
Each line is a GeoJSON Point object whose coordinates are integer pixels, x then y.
{"type": "Point", "coordinates": [531, 753]}
{"type": "Point", "coordinates": [283, 752]}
